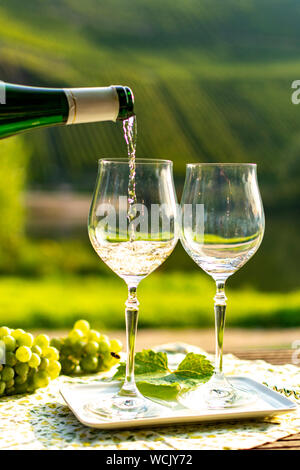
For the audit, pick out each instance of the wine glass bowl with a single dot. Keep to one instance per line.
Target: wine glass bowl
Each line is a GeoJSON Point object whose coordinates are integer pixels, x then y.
{"type": "Point", "coordinates": [222, 227]}
{"type": "Point", "coordinates": [134, 248]}
{"type": "Point", "coordinates": [133, 233]}
{"type": "Point", "coordinates": [233, 221]}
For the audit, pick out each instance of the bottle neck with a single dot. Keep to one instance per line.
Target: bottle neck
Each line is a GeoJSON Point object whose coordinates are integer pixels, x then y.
{"type": "Point", "coordinates": [99, 104]}
{"type": "Point", "coordinates": [92, 104]}
{"type": "Point", "coordinates": [126, 102]}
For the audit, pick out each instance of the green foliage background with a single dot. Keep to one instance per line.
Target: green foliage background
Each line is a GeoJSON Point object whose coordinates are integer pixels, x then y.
{"type": "Point", "coordinates": [212, 82]}
{"type": "Point", "coordinates": [218, 76]}
{"type": "Point", "coordinates": [14, 156]}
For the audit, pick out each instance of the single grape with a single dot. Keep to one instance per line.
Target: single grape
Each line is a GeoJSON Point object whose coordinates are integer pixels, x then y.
{"type": "Point", "coordinates": [101, 358]}
{"type": "Point", "coordinates": [115, 345]}
{"type": "Point", "coordinates": [54, 369]}
{"type": "Point", "coordinates": [83, 326]}
{"type": "Point", "coordinates": [2, 387]}
{"type": "Point", "coordinates": [78, 348]}
{"type": "Point", "coordinates": [7, 374]}
{"type": "Point", "coordinates": [44, 363]}
{"type": "Point", "coordinates": [56, 343]}
{"type": "Point", "coordinates": [10, 391]}
{"type": "Point", "coordinates": [106, 356]}
{"type": "Point", "coordinates": [25, 339]}
{"type": "Point", "coordinates": [104, 344]}
{"type": "Point", "coordinates": [104, 338]}
{"type": "Point", "coordinates": [100, 367]}
{"type": "Point", "coordinates": [94, 335]}
{"type": "Point", "coordinates": [66, 351]}
{"type": "Point", "coordinates": [11, 359]}
{"type": "Point", "coordinates": [42, 341]}
{"type": "Point", "coordinates": [23, 354]}
{"type": "Point", "coordinates": [37, 350]}
{"type": "Point", "coordinates": [10, 383]}
{"type": "Point", "coordinates": [51, 353]}
{"type": "Point", "coordinates": [68, 366]}
{"type": "Point", "coordinates": [30, 386]}
{"type": "Point", "coordinates": [4, 331]}
{"type": "Point", "coordinates": [22, 369]}
{"type": "Point", "coordinates": [1, 367]}
{"type": "Point", "coordinates": [91, 348]}
{"type": "Point", "coordinates": [41, 379]}
{"type": "Point", "coordinates": [9, 342]}
{"type": "Point", "coordinates": [18, 332]}
{"type": "Point", "coordinates": [34, 361]}
{"type": "Point", "coordinates": [20, 379]}
{"type": "Point", "coordinates": [89, 363]}
{"type": "Point", "coordinates": [75, 335]}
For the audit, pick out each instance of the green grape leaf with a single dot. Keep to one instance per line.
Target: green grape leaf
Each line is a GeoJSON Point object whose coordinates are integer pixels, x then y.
{"type": "Point", "coordinates": [147, 363]}
{"type": "Point", "coordinates": [195, 367]}
{"type": "Point", "coordinates": [159, 388]}
{"type": "Point", "coordinates": [155, 379]}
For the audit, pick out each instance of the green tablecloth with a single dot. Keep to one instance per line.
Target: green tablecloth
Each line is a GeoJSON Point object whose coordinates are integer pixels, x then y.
{"type": "Point", "coordinates": [43, 421]}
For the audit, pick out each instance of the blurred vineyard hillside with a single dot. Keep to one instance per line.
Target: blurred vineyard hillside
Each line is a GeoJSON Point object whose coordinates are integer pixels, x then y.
{"type": "Point", "coordinates": [212, 82]}
{"type": "Point", "coordinates": [218, 76]}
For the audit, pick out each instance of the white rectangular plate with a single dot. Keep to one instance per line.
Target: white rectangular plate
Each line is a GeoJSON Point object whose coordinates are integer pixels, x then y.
{"type": "Point", "coordinates": [268, 403]}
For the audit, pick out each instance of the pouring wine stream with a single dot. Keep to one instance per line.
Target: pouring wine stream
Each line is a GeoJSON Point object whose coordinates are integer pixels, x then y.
{"type": "Point", "coordinates": [130, 134]}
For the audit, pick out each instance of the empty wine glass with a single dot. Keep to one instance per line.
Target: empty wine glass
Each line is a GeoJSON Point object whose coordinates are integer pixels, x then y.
{"type": "Point", "coordinates": [222, 227]}
{"type": "Point", "coordinates": [133, 233]}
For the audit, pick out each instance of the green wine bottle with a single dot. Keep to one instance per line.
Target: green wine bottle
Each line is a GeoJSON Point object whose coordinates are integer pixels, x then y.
{"type": "Point", "coordinates": [23, 107]}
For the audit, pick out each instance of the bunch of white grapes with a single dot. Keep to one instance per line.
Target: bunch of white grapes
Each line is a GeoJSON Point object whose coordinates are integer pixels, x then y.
{"type": "Point", "coordinates": [86, 351]}
{"type": "Point", "coordinates": [26, 363]}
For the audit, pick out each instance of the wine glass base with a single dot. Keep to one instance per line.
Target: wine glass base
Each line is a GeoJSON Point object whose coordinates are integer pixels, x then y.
{"type": "Point", "coordinates": [125, 408]}
{"type": "Point", "coordinates": [238, 398]}
{"type": "Point", "coordinates": [218, 394]}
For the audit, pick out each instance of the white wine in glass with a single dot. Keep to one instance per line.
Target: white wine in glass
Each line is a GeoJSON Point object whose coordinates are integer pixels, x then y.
{"type": "Point", "coordinates": [222, 227]}
{"type": "Point", "coordinates": [133, 240]}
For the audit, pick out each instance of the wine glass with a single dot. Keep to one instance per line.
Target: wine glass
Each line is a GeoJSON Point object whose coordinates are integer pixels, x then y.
{"type": "Point", "coordinates": [222, 227]}
{"type": "Point", "coordinates": [133, 232]}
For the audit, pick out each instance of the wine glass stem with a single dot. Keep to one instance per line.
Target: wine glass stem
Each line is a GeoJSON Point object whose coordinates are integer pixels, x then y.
{"type": "Point", "coordinates": [220, 310]}
{"type": "Point", "coordinates": [131, 316]}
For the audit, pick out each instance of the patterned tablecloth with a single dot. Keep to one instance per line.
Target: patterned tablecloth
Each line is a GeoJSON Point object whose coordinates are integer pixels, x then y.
{"type": "Point", "coordinates": [43, 421]}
